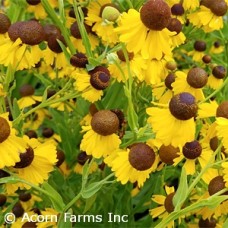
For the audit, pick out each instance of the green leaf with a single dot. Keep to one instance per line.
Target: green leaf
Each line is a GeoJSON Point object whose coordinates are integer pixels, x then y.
{"type": "Point", "coordinates": [9, 180]}
{"type": "Point", "coordinates": [181, 193]}
{"type": "Point", "coordinates": [214, 201]}
{"type": "Point", "coordinates": [65, 222]}
{"type": "Point", "coordinates": [89, 203]}
{"type": "Point", "coordinates": [66, 53]}
{"type": "Point", "coordinates": [56, 198]}
{"type": "Point", "coordinates": [93, 188]}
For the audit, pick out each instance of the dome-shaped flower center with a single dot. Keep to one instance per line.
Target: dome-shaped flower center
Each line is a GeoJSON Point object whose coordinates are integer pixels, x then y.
{"type": "Point", "coordinates": [206, 59]}
{"type": "Point", "coordinates": [216, 184]}
{"type": "Point", "coordinates": [29, 225]}
{"type": "Point", "coordinates": [75, 32]}
{"type": "Point", "coordinates": [168, 153]}
{"type": "Point", "coordinates": [79, 60]}
{"type": "Point", "coordinates": [83, 157]}
{"type": "Point", "coordinates": [33, 2]}
{"type": "Point", "coordinates": [141, 156]}
{"type": "Point", "coordinates": [51, 30]}
{"type": "Point", "coordinates": [3, 199]}
{"type": "Point", "coordinates": [218, 7]}
{"type": "Point", "coordinates": [25, 196]}
{"type": "Point", "coordinates": [183, 106]}
{"type": "Point", "coordinates": [170, 78]}
{"type": "Point", "coordinates": [4, 129]}
{"type": "Point", "coordinates": [100, 77]}
{"type": "Point", "coordinates": [200, 45]}
{"type": "Point", "coordinates": [14, 30]}
{"type": "Point", "coordinates": [26, 90]}
{"type": "Point", "coordinates": [18, 210]}
{"type": "Point", "coordinates": [207, 223]}
{"type": "Point", "coordinates": [105, 122]}
{"type": "Point", "coordinates": [177, 9]}
{"type": "Point", "coordinates": [25, 158]}
{"type": "Point", "coordinates": [60, 157]}
{"type": "Point", "coordinates": [120, 116]}
{"type": "Point", "coordinates": [155, 14]}
{"type": "Point", "coordinates": [122, 57]}
{"type": "Point", "coordinates": [53, 43]}
{"type": "Point", "coordinates": [174, 25]}
{"type": "Point", "coordinates": [197, 77]}
{"type": "Point", "coordinates": [4, 23]}
{"type": "Point", "coordinates": [192, 150]}
{"type": "Point", "coordinates": [47, 132]}
{"type": "Point", "coordinates": [169, 202]}
{"type": "Point", "coordinates": [31, 32]}
{"type": "Point", "coordinates": [219, 72]}
{"type": "Point", "coordinates": [222, 110]}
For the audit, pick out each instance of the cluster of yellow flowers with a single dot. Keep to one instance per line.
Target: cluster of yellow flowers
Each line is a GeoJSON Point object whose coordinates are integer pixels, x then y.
{"type": "Point", "coordinates": [131, 88]}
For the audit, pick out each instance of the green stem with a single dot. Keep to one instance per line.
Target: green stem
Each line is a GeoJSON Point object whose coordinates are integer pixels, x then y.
{"type": "Point", "coordinates": [215, 92]}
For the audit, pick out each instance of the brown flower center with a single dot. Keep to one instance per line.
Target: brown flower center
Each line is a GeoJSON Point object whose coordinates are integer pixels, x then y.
{"type": "Point", "coordinates": [168, 153]}
{"type": "Point", "coordinates": [170, 78]}
{"type": "Point", "coordinates": [33, 2]}
{"type": "Point", "coordinates": [31, 32]}
{"type": "Point", "coordinates": [25, 159]}
{"type": "Point", "coordinates": [100, 78]}
{"type": "Point", "coordinates": [4, 23]}
{"type": "Point", "coordinates": [183, 106]}
{"type": "Point", "coordinates": [4, 129]}
{"type": "Point", "coordinates": [207, 223]}
{"type": "Point", "coordinates": [155, 14]}
{"type": "Point", "coordinates": [218, 7]}
{"type": "Point", "coordinates": [216, 184]}
{"type": "Point", "coordinates": [141, 156]}
{"type": "Point", "coordinates": [200, 45]}
{"type": "Point", "coordinates": [222, 110]}
{"type": "Point", "coordinates": [79, 60]}
{"type": "Point", "coordinates": [197, 77]}
{"type": "Point", "coordinates": [105, 122]}
{"type": "Point", "coordinates": [83, 157]}
{"type": "Point", "coordinates": [3, 199]}
{"type": "Point", "coordinates": [169, 202]}
{"type": "Point", "coordinates": [192, 150]}
{"type": "Point", "coordinates": [26, 90]}
{"type": "Point", "coordinates": [18, 210]}
{"type": "Point", "coordinates": [219, 72]}
{"type": "Point", "coordinates": [177, 9]}
{"type": "Point", "coordinates": [174, 25]}
{"type": "Point", "coordinates": [60, 157]}
{"type": "Point", "coordinates": [53, 43]}
{"type": "Point", "coordinates": [122, 57]}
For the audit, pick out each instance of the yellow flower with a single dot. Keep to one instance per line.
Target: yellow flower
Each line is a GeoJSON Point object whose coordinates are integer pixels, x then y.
{"type": "Point", "coordinates": [134, 164]}
{"type": "Point", "coordinates": [193, 152]}
{"type": "Point", "coordinates": [34, 165]}
{"type": "Point", "coordinates": [165, 205]}
{"type": "Point", "coordinates": [136, 62]}
{"type": "Point", "coordinates": [139, 39]}
{"type": "Point", "coordinates": [39, 11]}
{"type": "Point", "coordinates": [98, 145]}
{"type": "Point", "coordinates": [222, 129]}
{"type": "Point", "coordinates": [181, 84]}
{"type": "Point", "coordinates": [204, 18]}
{"type": "Point", "coordinates": [19, 55]}
{"type": "Point", "coordinates": [174, 117]}
{"type": "Point", "coordinates": [102, 28]}
{"type": "Point", "coordinates": [10, 145]}
{"type": "Point", "coordinates": [100, 138]}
